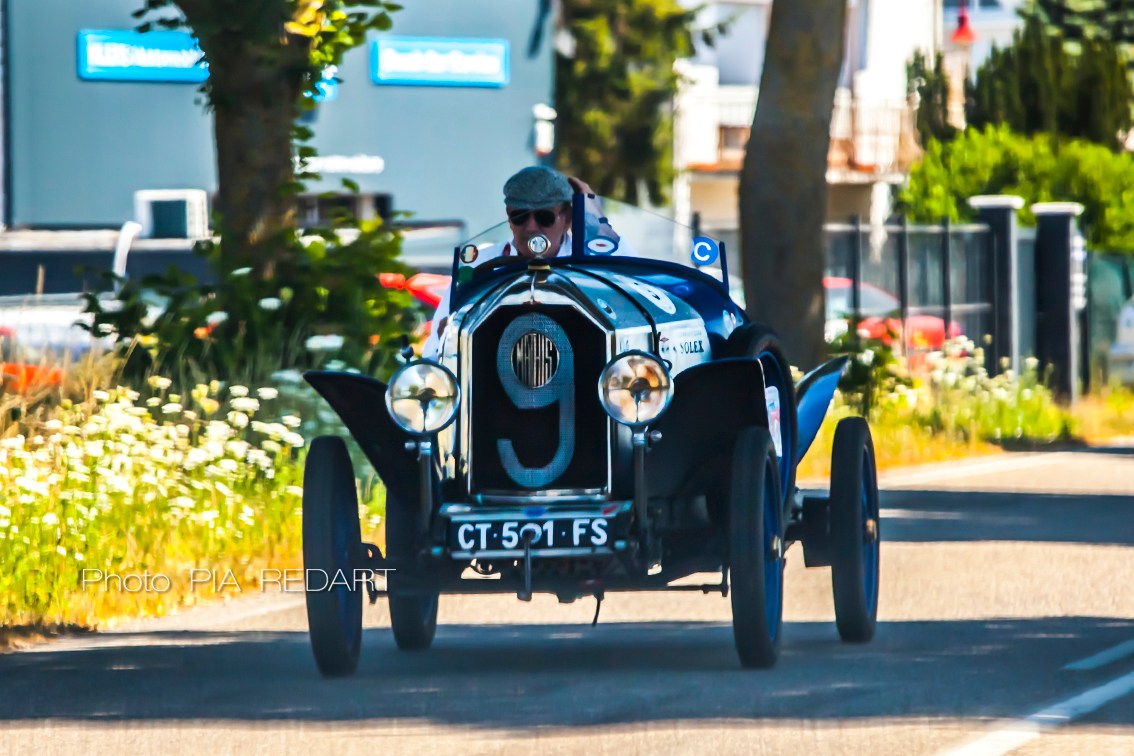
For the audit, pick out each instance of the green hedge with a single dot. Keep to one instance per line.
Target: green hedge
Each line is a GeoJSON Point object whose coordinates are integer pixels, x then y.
{"type": "Point", "coordinates": [1038, 168]}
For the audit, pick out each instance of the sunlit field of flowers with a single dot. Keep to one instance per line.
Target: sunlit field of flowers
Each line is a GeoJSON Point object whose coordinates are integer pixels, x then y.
{"type": "Point", "coordinates": [129, 483]}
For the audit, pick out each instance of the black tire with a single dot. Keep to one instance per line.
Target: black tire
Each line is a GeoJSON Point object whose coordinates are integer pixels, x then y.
{"type": "Point", "coordinates": [761, 342]}
{"type": "Point", "coordinates": [755, 537]}
{"type": "Point", "coordinates": [331, 537]}
{"type": "Point", "coordinates": [855, 531]}
{"type": "Point", "coordinates": [413, 616]}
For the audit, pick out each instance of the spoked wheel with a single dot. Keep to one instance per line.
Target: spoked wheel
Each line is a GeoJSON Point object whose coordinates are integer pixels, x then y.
{"type": "Point", "coordinates": [331, 535]}
{"type": "Point", "coordinates": [855, 532]}
{"type": "Point", "coordinates": [756, 547]}
{"type": "Point", "coordinates": [760, 342]}
{"type": "Point", "coordinates": [413, 616]}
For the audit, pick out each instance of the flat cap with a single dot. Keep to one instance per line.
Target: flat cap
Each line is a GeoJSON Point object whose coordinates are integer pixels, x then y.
{"type": "Point", "coordinates": [537, 187]}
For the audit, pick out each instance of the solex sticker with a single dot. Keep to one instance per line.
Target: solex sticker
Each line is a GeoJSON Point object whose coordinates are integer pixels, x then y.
{"type": "Point", "coordinates": [683, 346]}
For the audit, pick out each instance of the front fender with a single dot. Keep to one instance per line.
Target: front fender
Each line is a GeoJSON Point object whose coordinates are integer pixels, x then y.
{"type": "Point", "coordinates": [361, 404]}
{"type": "Point", "coordinates": [711, 403]}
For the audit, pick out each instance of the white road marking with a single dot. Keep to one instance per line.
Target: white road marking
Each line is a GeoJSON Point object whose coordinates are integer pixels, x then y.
{"type": "Point", "coordinates": [1103, 658]}
{"type": "Point", "coordinates": [910, 514]}
{"type": "Point", "coordinates": [1009, 737]}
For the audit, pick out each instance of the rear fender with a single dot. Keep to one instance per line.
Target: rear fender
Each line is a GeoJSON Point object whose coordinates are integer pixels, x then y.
{"type": "Point", "coordinates": [814, 393]}
{"type": "Point", "coordinates": [711, 403]}
{"type": "Point", "coordinates": [361, 404]}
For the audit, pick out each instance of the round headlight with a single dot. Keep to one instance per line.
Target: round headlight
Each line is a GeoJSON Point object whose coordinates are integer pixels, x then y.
{"type": "Point", "coordinates": [423, 397]}
{"type": "Point", "coordinates": [635, 388]}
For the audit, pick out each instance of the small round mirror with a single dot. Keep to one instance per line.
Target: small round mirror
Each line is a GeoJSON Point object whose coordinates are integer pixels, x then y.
{"type": "Point", "coordinates": [538, 245]}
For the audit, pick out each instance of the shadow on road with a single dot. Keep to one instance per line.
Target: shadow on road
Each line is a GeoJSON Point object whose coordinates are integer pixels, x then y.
{"type": "Point", "coordinates": [564, 675]}
{"type": "Point", "coordinates": [1117, 451]}
{"type": "Point", "coordinates": [923, 516]}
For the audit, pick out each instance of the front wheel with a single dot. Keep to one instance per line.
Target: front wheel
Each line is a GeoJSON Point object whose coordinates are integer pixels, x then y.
{"type": "Point", "coordinates": [413, 615]}
{"type": "Point", "coordinates": [331, 536]}
{"type": "Point", "coordinates": [855, 531]}
{"type": "Point", "coordinates": [755, 536]}
{"type": "Point", "coordinates": [414, 621]}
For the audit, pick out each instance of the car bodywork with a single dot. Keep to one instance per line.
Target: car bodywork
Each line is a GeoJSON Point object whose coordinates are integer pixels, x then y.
{"type": "Point", "coordinates": [534, 484]}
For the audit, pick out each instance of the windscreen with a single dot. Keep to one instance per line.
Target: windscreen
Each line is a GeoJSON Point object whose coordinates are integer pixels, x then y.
{"type": "Point", "coordinates": [608, 227]}
{"type": "Point", "coordinates": [600, 227]}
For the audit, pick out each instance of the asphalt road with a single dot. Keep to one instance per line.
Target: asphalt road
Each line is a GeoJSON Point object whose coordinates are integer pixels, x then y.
{"type": "Point", "coordinates": [997, 575]}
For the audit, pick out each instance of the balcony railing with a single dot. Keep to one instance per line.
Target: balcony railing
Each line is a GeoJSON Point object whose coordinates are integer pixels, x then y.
{"type": "Point", "coordinates": [874, 139]}
{"type": "Point", "coordinates": [869, 140]}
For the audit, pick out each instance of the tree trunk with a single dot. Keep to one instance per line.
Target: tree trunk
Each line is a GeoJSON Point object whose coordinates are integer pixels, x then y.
{"type": "Point", "coordinates": [254, 107]}
{"type": "Point", "coordinates": [783, 184]}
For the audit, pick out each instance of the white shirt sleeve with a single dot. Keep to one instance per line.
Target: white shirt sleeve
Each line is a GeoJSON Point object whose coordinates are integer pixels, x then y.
{"type": "Point", "coordinates": [432, 347]}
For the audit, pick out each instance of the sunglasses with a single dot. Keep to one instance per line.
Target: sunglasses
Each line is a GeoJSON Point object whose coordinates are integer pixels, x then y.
{"type": "Point", "coordinates": [545, 218]}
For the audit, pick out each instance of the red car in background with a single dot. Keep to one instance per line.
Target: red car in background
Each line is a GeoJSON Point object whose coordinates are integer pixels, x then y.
{"type": "Point", "coordinates": [881, 317]}
{"type": "Point", "coordinates": [427, 287]}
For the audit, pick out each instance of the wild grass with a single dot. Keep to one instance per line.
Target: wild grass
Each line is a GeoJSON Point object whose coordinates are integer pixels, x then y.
{"type": "Point", "coordinates": [954, 408]}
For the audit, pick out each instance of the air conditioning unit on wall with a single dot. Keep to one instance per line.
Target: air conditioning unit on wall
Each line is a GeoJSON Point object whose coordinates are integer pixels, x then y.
{"type": "Point", "coordinates": [172, 213]}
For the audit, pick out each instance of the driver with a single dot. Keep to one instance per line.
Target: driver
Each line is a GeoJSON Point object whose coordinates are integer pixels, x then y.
{"type": "Point", "coordinates": [537, 201]}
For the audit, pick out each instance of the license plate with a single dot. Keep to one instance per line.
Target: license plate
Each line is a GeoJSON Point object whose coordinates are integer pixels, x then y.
{"type": "Point", "coordinates": [508, 535]}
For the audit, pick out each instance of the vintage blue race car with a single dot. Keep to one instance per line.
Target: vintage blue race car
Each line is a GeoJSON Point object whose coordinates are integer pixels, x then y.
{"type": "Point", "coordinates": [604, 420]}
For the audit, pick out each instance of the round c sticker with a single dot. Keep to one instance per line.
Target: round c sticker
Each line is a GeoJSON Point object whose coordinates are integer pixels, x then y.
{"type": "Point", "coordinates": [705, 251]}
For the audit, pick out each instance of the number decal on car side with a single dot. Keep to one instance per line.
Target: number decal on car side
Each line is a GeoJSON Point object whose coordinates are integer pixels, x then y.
{"type": "Point", "coordinates": [560, 388]}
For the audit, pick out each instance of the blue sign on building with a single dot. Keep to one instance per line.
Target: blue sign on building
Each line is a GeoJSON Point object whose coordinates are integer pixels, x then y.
{"type": "Point", "coordinates": [116, 55]}
{"type": "Point", "coordinates": [437, 62]}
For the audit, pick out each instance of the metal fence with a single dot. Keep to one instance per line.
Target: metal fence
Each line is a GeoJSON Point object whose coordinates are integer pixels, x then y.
{"type": "Point", "coordinates": [915, 279]}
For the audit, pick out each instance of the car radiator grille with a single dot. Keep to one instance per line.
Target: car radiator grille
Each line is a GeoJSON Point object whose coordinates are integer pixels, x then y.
{"type": "Point", "coordinates": [536, 420]}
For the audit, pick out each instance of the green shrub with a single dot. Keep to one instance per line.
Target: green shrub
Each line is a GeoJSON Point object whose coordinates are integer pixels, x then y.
{"type": "Point", "coordinates": [245, 326]}
{"type": "Point", "coordinates": [957, 398]}
{"type": "Point", "coordinates": [1038, 168]}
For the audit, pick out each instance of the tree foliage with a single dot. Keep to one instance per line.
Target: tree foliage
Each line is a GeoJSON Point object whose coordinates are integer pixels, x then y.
{"type": "Point", "coordinates": [615, 84]}
{"type": "Point", "coordinates": [1039, 168]}
{"type": "Point", "coordinates": [265, 58]}
{"type": "Point", "coordinates": [1078, 20]}
{"type": "Point", "coordinates": [272, 290]}
{"type": "Point", "coordinates": [242, 327]}
{"type": "Point", "coordinates": [1039, 84]}
{"type": "Point", "coordinates": [932, 85]}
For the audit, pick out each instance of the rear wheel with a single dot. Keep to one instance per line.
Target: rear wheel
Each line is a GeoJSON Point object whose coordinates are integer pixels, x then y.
{"type": "Point", "coordinates": [755, 537]}
{"type": "Point", "coordinates": [413, 615]}
{"type": "Point", "coordinates": [331, 536]}
{"type": "Point", "coordinates": [855, 531]}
